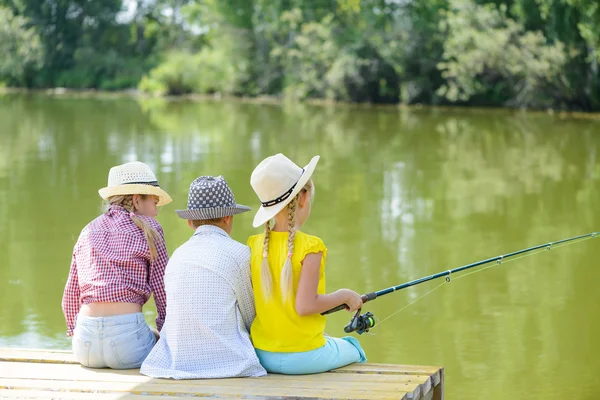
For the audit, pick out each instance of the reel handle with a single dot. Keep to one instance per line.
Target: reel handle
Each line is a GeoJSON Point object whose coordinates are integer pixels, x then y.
{"type": "Point", "coordinates": [360, 323]}
{"type": "Point", "coordinates": [365, 298]}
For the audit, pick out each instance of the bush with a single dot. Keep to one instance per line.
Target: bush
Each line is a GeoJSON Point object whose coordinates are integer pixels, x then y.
{"type": "Point", "coordinates": [489, 55]}
{"type": "Point", "coordinates": [175, 76]}
{"type": "Point", "coordinates": [21, 50]}
{"type": "Point", "coordinates": [222, 68]}
{"type": "Point", "coordinates": [107, 70]}
{"type": "Point", "coordinates": [316, 64]}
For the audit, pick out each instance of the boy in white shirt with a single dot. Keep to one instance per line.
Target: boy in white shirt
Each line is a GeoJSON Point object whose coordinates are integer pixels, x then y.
{"type": "Point", "coordinates": [210, 304]}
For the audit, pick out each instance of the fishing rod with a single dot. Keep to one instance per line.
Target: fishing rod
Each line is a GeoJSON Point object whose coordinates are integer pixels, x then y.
{"type": "Point", "coordinates": [362, 323]}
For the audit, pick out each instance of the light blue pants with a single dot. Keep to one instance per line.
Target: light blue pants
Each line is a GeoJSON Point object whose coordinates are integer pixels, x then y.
{"type": "Point", "coordinates": [119, 342]}
{"type": "Point", "coordinates": [336, 353]}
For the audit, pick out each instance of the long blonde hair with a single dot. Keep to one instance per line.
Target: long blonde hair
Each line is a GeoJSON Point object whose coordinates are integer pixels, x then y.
{"type": "Point", "coordinates": [126, 201]}
{"type": "Point", "coordinates": [287, 277]}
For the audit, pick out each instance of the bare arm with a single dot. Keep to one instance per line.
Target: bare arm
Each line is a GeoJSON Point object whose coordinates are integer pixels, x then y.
{"type": "Point", "coordinates": [308, 301]}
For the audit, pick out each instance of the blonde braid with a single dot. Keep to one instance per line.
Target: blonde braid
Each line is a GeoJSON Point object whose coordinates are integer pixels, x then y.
{"type": "Point", "coordinates": [150, 233]}
{"type": "Point", "coordinates": [287, 277]}
{"type": "Point", "coordinates": [266, 280]}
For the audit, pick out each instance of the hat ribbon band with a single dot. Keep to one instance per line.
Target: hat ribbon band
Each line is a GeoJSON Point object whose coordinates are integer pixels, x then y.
{"type": "Point", "coordinates": [151, 183]}
{"type": "Point", "coordinates": [283, 196]}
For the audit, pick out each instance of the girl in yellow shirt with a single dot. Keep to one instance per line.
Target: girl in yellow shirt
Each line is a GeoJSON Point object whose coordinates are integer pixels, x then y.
{"type": "Point", "coordinates": [288, 277]}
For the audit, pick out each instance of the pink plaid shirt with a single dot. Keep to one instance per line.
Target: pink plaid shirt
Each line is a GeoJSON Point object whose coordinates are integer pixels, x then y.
{"type": "Point", "coordinates": [111, 263]}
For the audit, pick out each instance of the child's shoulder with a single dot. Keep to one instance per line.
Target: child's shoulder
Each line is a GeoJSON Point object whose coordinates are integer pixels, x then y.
{"type": "Point", "coordinates": [255, 240]}
{"type": "Point", "coordinates": [307, 236]}
{"type": "Point", "coordinates": [310, 243]}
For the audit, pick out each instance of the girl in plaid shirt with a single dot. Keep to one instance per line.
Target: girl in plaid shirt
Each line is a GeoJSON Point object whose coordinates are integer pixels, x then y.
{"type": "Point", "coordinates": [118, 261]}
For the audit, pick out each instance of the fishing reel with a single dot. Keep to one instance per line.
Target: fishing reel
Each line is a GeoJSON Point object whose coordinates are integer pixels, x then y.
{"type": "Point", "coordinates": [360, 323]}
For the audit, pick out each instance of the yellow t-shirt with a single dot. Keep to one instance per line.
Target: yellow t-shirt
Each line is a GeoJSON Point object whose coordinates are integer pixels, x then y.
{"type": "Point", "coordinates": [277, 326]}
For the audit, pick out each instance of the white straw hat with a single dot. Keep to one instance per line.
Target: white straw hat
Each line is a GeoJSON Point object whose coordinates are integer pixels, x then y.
{"type": "Point", "coordinates": [276, 181]}
{"type": "Point", "coordinates": [133, 178]}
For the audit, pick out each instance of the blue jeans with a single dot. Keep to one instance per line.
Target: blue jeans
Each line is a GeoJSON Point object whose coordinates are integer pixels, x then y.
{"type": "Point", "coordinates": [336, 353]}
{"type": "Point", "coordinates": [119, 342]}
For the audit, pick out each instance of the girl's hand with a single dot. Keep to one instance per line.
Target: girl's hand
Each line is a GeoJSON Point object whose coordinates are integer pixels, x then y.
{"type": "Point", "coordinates": [353, 300]}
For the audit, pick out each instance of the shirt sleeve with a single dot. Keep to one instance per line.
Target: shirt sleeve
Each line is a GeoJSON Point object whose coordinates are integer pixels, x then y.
{"type": "Point", "coordinates": [244, 293]}
{"type": "Point", "coordinates": [157, 279]}
{"type": "Point", "coordinates": [313, 244]}
{"type": "Point", "coordinates": [71, 297]}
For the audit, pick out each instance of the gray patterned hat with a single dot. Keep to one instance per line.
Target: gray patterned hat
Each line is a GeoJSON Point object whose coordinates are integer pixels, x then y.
{"type": "Point", "coordinates": [210, 197]}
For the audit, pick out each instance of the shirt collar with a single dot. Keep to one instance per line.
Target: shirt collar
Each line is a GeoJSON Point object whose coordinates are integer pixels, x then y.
{"type": "Point", "coordinates": [117, 208]}
{"type": "Point", "coordinates": [210, 230]}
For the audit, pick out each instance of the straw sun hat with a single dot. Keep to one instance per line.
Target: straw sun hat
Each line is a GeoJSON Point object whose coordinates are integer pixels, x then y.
{"type": "Point", "coordinates": [276, 181]}
{"type": "Point", "coordinates": [133, 178]}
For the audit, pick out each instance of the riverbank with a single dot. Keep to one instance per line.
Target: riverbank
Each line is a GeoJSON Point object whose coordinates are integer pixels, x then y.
{"type": "Point", "coordinates": [282, 101]}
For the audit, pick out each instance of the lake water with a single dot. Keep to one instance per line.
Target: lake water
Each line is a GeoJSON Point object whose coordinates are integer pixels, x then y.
{"type": "Point", "coordinates": [400, 194]}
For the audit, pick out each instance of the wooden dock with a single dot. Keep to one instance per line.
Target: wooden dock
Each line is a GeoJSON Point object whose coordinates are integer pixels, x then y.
{"type": "Point", "coordinates": [47, 374]}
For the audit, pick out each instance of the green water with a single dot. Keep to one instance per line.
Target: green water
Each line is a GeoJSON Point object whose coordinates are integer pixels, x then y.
{"type": "Point", "coordinates": [400, 194]}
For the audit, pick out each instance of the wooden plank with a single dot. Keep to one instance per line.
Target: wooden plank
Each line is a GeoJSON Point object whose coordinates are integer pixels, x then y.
{"type": "Point", "coordinates": [66, 357]}
{"type": "Point", "coordinates": [342, 378]}
{"type": "Point", "coordinates": [63, 373]}
{"type": "Point", "coordinates": [256, 384]}
{"type": "Point", "coordinates": [428, 396]}
{"type": "Point", "coordinates": [37, 355]}
{"type": "Point", "coordinates": [409, 381]}
{"type": "Point", "coordinates": [435, 374]}
{"type": "Point", "coordinates": [50, 394]}
{"type": "Point", "coordinates": [77, 372]}
{"type": "Point", "coordinates": [37, 350]}
{"type": "Point", "coordinates": [438, 390]}
{"type": "Point", "coordinates": [47, 372]}
{"type": "Point", "coordinates": [190, 388]}
{"type": "Point", "coordinates": [388, 369]}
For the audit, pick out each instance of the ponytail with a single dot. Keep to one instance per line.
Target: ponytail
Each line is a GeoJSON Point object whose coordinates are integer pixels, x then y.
{"type": "Point", "coordinates": [287, 277]}
{"type": "Point", "coordinates": [266, 280]}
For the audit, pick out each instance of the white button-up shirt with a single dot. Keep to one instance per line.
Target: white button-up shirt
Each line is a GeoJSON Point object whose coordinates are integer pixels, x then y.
{"type": "Point", "coordinates": [210, 307]}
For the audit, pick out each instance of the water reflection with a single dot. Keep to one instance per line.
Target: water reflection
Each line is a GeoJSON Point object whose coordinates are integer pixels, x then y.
{"type": "Point", "coordinates": [399, 194]}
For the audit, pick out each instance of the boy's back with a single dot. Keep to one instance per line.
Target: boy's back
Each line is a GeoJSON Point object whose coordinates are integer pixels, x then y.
{"type": "Point", "coordinates": [210, 308]}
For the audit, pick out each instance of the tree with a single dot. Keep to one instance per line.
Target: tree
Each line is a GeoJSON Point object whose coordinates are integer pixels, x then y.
{"type": "Point", "coordinates": [20, 47]}
{"type": "Point", "coordinates": [62, 25]}
{"type": "Point", "coordinates": [492, 58]}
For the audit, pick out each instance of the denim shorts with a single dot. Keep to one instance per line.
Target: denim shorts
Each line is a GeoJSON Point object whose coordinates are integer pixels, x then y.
{"type": "Point", "coordinates": [119, 342]}
{"type": "Point", "coordinates": [336, 353]}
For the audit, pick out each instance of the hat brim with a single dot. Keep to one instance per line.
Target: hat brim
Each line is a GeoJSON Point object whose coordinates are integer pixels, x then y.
{"type": "Point", "coordinates": [124, 190]}
{"type": "Point", "coordinates": [265, 214]}
{"type": "Point", "coordinates": [211, 213]}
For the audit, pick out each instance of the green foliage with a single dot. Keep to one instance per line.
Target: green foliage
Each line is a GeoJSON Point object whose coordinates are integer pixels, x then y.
{"type": "Point", "coordinates": [84, 44]}
{"type": "Point", "coordinates": [209, 71]}
{"type": "Point", "coordinates": [175, 76]}
{"type": "Point", "coordinates": [21, 51]}
{"type": "Point", "coordinates": [487, 53]}
{"type": "Point", "coordinates": [533, 53]}
{"type": "Point", "coordinates": [306, 61]}
{"type": "Point", "coordinates": [107, 71]}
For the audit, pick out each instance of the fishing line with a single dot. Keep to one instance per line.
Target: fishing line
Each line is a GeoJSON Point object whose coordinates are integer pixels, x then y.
{"type": "Point", "coordinates": [413, 302]}
{"type": "Point", "coordinates": [476, 271]}
{"type": "Point", "coordinates": [362, 323]}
